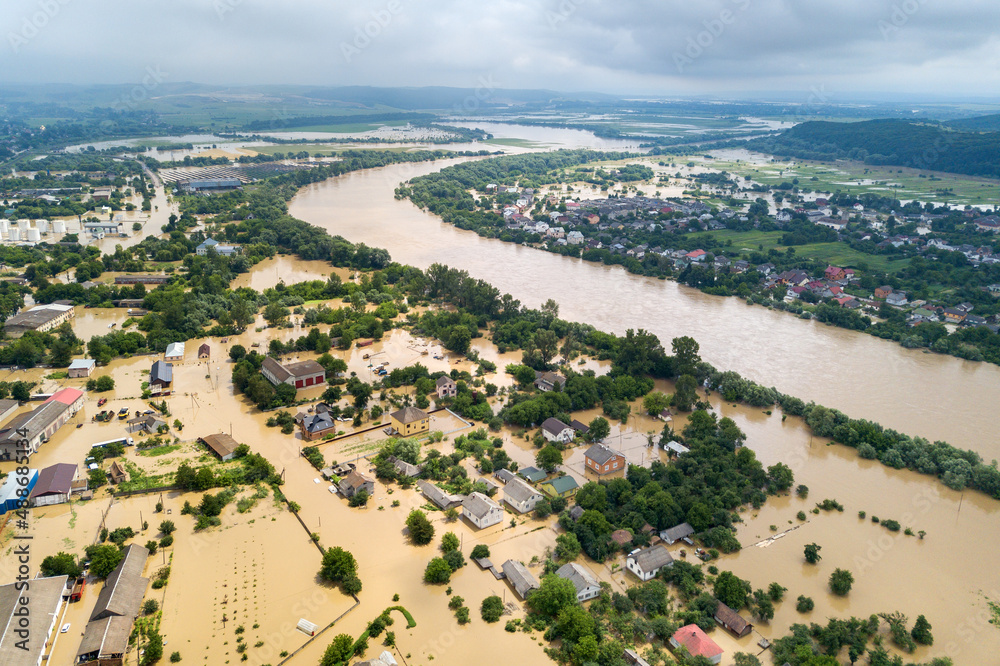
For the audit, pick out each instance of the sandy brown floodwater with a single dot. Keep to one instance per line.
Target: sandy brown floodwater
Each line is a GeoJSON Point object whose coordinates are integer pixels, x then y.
{"type": "Point", "coordinates": [938, 397]}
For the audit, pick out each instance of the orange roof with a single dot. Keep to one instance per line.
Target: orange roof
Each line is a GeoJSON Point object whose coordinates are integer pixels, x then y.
{"type": "Point", "coordinates": [696, 642]}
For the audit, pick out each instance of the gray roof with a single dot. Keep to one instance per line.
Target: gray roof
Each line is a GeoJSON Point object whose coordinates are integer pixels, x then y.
{"type": "Point", "coordinates": [479, 505]}
{"type": "Point", "coordinates": [438, 496]}
{"type": "Point", "coordinates": [519, 577]}
{"type": "Point", "coordinates": [43, 602]}
{"type": "Point", "coordinates": [517, 490]}
{"type": "Point", "coordinates": [553, 426]}
{"type": "Point", "coordinates": [405, 468]}
{"type": "Point", "coordinates": [125, 587]}
{"type": "Point", "coordinates": [409, 415]}
{"type": "Point", "coordinates": [504, 475]}
{"type": "Point", "coordinates": [82, 364]}
{"type": "Point", "coordinates": [318, 422]}
{"type": "Point", "coordinates": [576, 512]}
{"type": "Point", "coordinates": [579, 576]}
{"type": "Point", "coordinates": [677, 532]}
{"type": "Point", "coordinates": [35, 421]}
{"type": "Point", "coordinates": [107, 637]}
{"type": "Point", "coordinates": [175, 349]}
{"type": "Point", "coordinates": [444, 381]}
{"type": "Point", "coordinates": [32, 319]}
{"type": "Point", "coordinates": [600, 453]}
{"type": "Point", "coordinates": [161, 371]}
{"type": "Point", "coordinates": [652, 558]}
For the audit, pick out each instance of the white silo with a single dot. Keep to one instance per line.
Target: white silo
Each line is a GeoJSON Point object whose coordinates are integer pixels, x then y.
{"type": "Point", "coordinates": [34, 235]}
{"type": "Point", "coordinates": [58, 226]}
{"type": "Point", "coordinates": [23, 224]}
{"type": "Point", "coordinates": [15, 234]}
{"type": "Point", "coordinates": [42, 225]}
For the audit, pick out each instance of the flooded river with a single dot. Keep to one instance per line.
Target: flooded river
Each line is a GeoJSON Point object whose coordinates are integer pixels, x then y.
{"type": "Point", "coordinates": [938, 397]}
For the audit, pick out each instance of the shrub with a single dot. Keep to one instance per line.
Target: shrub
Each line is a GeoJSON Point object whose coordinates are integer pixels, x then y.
{"type": "Point", "coordinates": [480, 551]}
{"type": "Point", "coordinates": [421, 529]}
{"type": "Point", "coordinates": [438, 571]}
{"type": "Point", "coordinates": [804, 604]}
{"type": "Point", "coordinates": [491, 609]}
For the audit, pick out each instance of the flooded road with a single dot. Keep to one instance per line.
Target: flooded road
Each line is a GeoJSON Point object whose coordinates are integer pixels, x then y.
{"type": "Point", "coordinates": [924, 394]}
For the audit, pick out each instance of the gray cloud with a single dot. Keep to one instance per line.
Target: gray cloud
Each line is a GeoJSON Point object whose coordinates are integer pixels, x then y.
{"type": "Point", "coordinates": [648, 46]}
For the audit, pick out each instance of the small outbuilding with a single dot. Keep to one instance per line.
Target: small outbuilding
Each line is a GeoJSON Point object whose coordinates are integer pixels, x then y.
{"type": "Point", "coordinates": [81, 367]}
{"type": "Point", "coordinates": [221, 445]}
{"type": "Point", "coordinates": [204, 351]}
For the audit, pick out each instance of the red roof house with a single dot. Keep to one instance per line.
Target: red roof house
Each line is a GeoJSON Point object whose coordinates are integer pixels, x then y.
{"type": "Point", "coordinates": [697, 643]}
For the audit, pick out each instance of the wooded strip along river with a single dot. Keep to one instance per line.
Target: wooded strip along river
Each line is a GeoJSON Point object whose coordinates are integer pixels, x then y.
{"type": "Point", "coordinates": [925, 394]}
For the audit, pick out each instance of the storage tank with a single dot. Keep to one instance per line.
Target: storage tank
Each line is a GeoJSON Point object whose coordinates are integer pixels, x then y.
{"type": "Point", "coordinates": [23, 224]}
{"type": "Point", "coordinates": [58, 226]}
{"type": "Point", "coordinates": [15, 234]}
{"type": "Point", "coordinates": [34, 235]}
{"type": "Point", "coordinates": [42, 226]}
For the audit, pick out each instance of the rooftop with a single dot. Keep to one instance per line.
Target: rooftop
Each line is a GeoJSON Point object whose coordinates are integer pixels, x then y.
{"type": "Point", "coordinates": [409, 415]}
{"type": "Point", "coordinates": [221, 443]}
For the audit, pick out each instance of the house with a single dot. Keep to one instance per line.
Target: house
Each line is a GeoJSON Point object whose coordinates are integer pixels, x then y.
{"type": "Point", "coordinates": [666, 415]}
{"type": "Point", "coordinates": [439, 497]}
{"type": "Point", "coordinates": [531, 474]}
{"type": "Point", "coordinates": [175, 352]}
{"type": "Point", "coordinates": [682, 532]}
{"type": "Point", "coordinates": [316, 426]}
{"type": "Point", "coordinates": [105, 642]}
{"type": "Point", "coordinates": [587, 586]}
{"type": "Point", "coordinates": [897, 298]}
{"type": "Point", "coordinates": [481, 511]}
{"type": "Point", "coordinates": [149, 423]}
{"type": "Point", "coordinates": [204, 351]}
{"type": "Point", "coordinates": [504, 475]}
{"type": "Point", "coordinates": [446, 387]}
{"type": "Point", "coordinates": [40, 318]}
{"type": "Point", "coordinates": [142, 279]}
{"type": "Point", "coordinates": [405, 469]}
{"type": "Point", "coordinates": [221, 444]}
{"type": "Point", "coordinates": [953, 315]}
{"type": "Point", "coordinates": [354, 483]}
{"type": "Point", "coordinates": [124, 588]}
{"type": "Point", "coordinates": [883, 291]}
{"type": "Point", "coordinates": [203, 249]}
{"type": "Point", "coordinates": [697, 643]}
{"type": "Point", "coordinates": [117, 473]}
{"type": "Point", "coordinates": [520, 496]}
{"type": "Point", "coordinates": [732, 621]}
{"type": "Point", "coordinates": [581, 428]}
{"type": "Point", "coordinates": [645, 563]}
{"type": "Point", "coordinates": [555, 430]}
{"type": "Point", "coordinates": [602, 460]}
{"type": "Point", "coordinates": [548, 381]}
{"type": "Point", "coordinates": [81, 367]}
{"type": "Point", "coordinates": [409, 421]}
{"type": "Point", "coordinates": [519, 577]}
{"type": "Point", "coordinates": [28, 620]}
{"type": "Point", "coordinates": [621, 537]}
{"type": "Point", "coordinates": [561, 486]}
{"type": "Point", "coordinates": [834, 273]}
{"type": "Point", "coordinates": [55, 484]}
{"type": "Point", "coordinates": [161, 376]}
{"type": "Point", "coordinates": [299, 375]}
{"type": "Point", "coordinates": [675, 448]}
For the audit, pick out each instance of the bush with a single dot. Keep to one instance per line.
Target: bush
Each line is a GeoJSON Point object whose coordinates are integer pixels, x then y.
{"type": "Point", "coordinates": [456, 602]}
{"type": "Point", "coordinates": [166, 541]}
{"type": "Point", "coordinates": [804, 604]}
{"type": "Point", "coordinates": [462, 615]}
{"type": "Point", "coordinates": [841, 582]}
{"type": "Point", "coordinates": [449, 542]}
{"type": "Point", "coordinates": [454, 559]}
{"type": "Point", "coordinates": [491, 609]}
{"type": "Point", "coordinates": [421, 530]}
{"type": "Point", "coordinates": [480, 551]}
{"type": "Point", "coordinates": [175, 657]}
{"type": "Point", "coordinates": [438, 571]}
{"type": "Point", "coordinates": [150, 606]}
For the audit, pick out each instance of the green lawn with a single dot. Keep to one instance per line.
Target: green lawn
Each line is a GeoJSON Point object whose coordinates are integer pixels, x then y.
{"type": "Point", "coordinates": [838, 254]}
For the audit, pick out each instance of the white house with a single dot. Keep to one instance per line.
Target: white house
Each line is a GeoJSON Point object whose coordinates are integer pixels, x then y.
{"type": "Point", "coordinates": [555, 430]}
{"type": "Point", "coordinates": [574, 238]}
{"type": "Point", "coordinates": [175, 352]}
{"type": "Point", "coordinates": [647, 562]}
{"type": "Point", "coordinates": [521, 496]}
{"type": "Point", "coordinates": [587, 586]}
{"type": "Point", "coordinates": [481, 510]}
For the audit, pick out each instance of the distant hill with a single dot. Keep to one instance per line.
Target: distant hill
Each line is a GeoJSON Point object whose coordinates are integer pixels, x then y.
{"type": "Point", "coordinates": [978, 124]}
{"type": "Point", "coordinates": [929, 146]}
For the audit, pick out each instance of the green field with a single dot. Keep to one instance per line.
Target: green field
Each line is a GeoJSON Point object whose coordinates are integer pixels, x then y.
{"type": "Point", "coordinates": [837, 254]}
{"type": "Point", "coordinates": [515, 143]}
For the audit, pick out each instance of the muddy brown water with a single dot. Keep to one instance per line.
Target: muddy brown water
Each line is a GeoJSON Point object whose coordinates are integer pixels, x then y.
{"type": "Point", "coordinates": [908, 390]}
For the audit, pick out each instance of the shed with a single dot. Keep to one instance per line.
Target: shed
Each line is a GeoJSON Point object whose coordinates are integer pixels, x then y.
{"type": "Point", "coordinates": [55, 484]}
{"type": "Point", "coordinates": [175, 352]}
{"type": "Point", "coordinates": [204, 351]}
{"type": "Point", "coordinates": [732, 621]}
{"type": "Point", "coordinates": [532, 474]}
{"type": "Point", "coordinates": [221, 444]}
{"type": "Point", "coordinates": [9, 498]}
{"type": "Point", "coordinates": [124, 588]}
{"type": "Point", "coordinates": [117, 473]}
{"type": "Point", "coordinates": [519, 577]}
{"type": "Point", "coordinates": [677, 533]}
{"type": "Point", "coordinates": [439, 497]}
{"type": "Point", "coordinates": [81, 367]}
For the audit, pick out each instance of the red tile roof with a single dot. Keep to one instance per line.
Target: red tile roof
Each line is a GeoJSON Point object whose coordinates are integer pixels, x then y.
{"type": "Point", "coordinates": [696, 642]}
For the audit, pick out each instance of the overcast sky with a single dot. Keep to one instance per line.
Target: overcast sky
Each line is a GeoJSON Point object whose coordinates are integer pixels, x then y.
{"type": "Point", "coordinates": [649, 47]}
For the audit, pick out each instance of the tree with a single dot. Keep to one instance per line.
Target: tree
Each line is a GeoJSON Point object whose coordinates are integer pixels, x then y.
{"type": "Point", "coordinates": [547, 343]}
{"type": "Point", "coordinates": [804, 604]}
{"type": "Point", "coordinates": [780, 477]}
{"type": "Point", "coordinates": [685, 393]}
{"type": "Point", "coordinates": [421, 530]}
{"type": "Point", "coordinates": [61, 564]}
{"type": "Point", "coordinates": [922, 631]}
{"type": "Point", "coordinates": [104, 559]}
{"type": "Point", "coordinates": [491, 609]}
{"type": "Point", "coordinates": [744, 659]}
{"type": "Point", "coordinates": [543, 509]}
{"type": "Point", "coordinates": [567, 547]}
{"type": "Point", "coordinates": [437, 572]}
{"type": "Point", "coordinates": [449, 542]}
{"type": "Point", "coordinates": [275, 314]}
{"type": "Point", "coordinates": [552, 596]}
{"type": "Point", "coordinates": [96, 478]}
{"type": "Point", "coordinates": [841, 581]}
{"type": "Point", "coordinates": [167, 527]}
{"type": "Point", "coordinates": [480, 551]}
{"type": "Point", "coordinates": [686, 357]}
{"type": "Point", "coordinates": [236, 352]}
{"type": "Point", "coordinates": [731, 590]}
{"type": "Point", "coordinates": [776, 592]}
{"type": "Point", "coordinates": [812, 553]}
{"type": "Point", "coordinates": [599, 428]}
{"type": "Point", "coordinates": [150, 606]}
{"type": "Point", "coordinates": [340, 650]}
{"type": "Point", "coordinates": [154, 648]}
{"type": "Point", "coordinates": [763, 607]}
{"type": "Point", "coordinates": [549, 458]}
{"type": "Point", "coordinates": [338, 565]}
{"type": "Point", "coordinates": [455, 559]}
{"type": "Point", "coordinates": [655, 402]}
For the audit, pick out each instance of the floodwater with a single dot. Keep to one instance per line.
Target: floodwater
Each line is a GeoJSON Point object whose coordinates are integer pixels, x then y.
{"type": "Point", "coordinates": [862, 375]}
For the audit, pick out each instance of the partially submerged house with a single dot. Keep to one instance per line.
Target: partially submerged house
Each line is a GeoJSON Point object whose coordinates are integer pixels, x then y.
{"type": "Point", "coordinates": [354, 483]}
{"type": "Point", "coordinates": [520, 496]}
{"type": "Point", "coordinates": [221, 445]}
{"type": "Point", "coordinates": [586, 584]}
{"type": "Point", "coordinates": [519, 578]}
{"type": "Point", "coordinates": [682, 532]}
{"type": "Point", "coordinates": [647, 562]}
{"type": "Point", "coordinates": [732, 621]}
{"type": "Point", "coordinates": [482, 511]}
{"type": "Point", "coordinates": [554, 430]}
{"type": "Point", "coordinates": [439, 497]}
{"type": "Point", "coordinates": [409, 421]}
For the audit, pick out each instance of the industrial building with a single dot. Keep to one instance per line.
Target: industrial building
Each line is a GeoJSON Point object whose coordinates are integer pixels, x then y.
{"type": "Point", "coordinates": [40, 318]}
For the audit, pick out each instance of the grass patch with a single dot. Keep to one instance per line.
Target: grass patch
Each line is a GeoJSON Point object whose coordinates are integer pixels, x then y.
{"type": "Point", "coordinates": [160, 450]}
